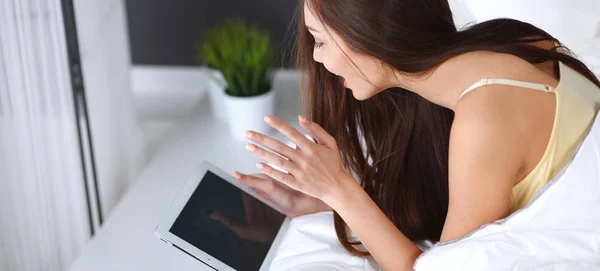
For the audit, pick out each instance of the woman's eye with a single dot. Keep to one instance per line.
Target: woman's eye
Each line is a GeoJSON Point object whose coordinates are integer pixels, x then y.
{"type": "Point", "coordinates": [318, 45]}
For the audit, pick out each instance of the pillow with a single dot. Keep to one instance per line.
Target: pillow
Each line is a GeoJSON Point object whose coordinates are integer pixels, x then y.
{"type": "Point", "coordinates": [575, 23]}
{"type": "Point", "coordinates": [572, 22]}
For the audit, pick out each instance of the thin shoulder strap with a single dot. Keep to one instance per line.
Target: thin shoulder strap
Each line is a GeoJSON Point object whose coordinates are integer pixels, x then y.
{"type": "Point", "coordinates": [500, 81]}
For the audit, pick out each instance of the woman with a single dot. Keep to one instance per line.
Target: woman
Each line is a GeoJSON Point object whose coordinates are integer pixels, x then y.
{"type": "Point", "coordinates": [411, 143]}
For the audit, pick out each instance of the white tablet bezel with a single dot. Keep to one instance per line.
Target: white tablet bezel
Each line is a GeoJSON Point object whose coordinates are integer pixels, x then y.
{"type": "Point", "coordinates": [162, 229]}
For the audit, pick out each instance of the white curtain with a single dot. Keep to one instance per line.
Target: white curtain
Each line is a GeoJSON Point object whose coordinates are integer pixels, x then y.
{"type": "Point", "coordinates": [43, 211]}
{"type": "Point", "coordinates": [44, 219]}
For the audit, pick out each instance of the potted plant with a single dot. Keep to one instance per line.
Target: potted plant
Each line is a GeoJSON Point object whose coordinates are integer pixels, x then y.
{"type": "Point", "coordinates": [243, 56]}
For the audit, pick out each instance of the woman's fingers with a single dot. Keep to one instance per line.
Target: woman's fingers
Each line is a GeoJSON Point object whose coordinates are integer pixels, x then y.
{"type": "Point", "coordinates": [317, 132]}
{"type": "Point", "coordinates": [273, 144]}
{"type": "Point", "coordinates": [264, 185]}
{"type": "Point", "coordinates": [257, 182]}
{"type": "Point", "coordinates": [272, 158]}
{"type": "Point", "coordinates": [263, 194]}
{"type": "Point", "coordinates": [280, 176]}
{"type": "Point", "coordinates": [263, 176]}
{"type": "Point", "coordinates": [289, 131]}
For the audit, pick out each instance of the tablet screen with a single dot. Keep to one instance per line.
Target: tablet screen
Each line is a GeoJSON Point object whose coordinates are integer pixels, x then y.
{"type": "Point", "coordinates": [228, 223]}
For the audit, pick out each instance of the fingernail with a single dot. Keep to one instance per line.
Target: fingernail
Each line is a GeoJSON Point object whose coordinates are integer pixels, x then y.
{"type": "Point", "coordinates": [268, 119]}
{"type": "Point", "coordinates": [237, 175]}
{"type": "Point", "coordinates": [250, 147]}
{"type": "Point", "coordinates": [302, 120]}
{"type": "Point", "coordinates": [248, 135]}
{"type": "Point", "coordinates": [260, 165]}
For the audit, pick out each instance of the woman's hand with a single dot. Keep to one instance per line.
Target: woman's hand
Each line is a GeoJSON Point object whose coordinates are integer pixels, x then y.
{"type": "Point", "coordinates": [314, 169]}
{"type": "Point", "coordinates": [292, 202]}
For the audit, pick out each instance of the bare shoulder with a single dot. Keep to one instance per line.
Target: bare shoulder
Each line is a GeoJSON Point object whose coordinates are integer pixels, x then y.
{"type": "Point", "coordinates": [525, 116]}
{"type": "Point", "coordinates": [506, 109]}
{"type": "Point", "coordinates": [489, 123]}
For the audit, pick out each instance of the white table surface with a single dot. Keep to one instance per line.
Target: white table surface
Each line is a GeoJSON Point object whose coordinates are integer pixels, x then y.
{"type": "Point", "coordinates": [126, 241]}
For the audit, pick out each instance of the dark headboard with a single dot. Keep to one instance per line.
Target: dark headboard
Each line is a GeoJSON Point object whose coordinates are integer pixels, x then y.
{"type": "Point", "coordinates": [163, 32]}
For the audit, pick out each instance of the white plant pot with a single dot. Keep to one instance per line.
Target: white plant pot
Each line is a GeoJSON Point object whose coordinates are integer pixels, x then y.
{"type": "Point", "coordinates": [216, 93]}
{"type": "Point", "coordinates": [247, 113]}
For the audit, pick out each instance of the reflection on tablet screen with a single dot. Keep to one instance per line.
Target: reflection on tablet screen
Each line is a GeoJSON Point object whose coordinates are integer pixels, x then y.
{"type": "Point", "coordinates": [227, 223]}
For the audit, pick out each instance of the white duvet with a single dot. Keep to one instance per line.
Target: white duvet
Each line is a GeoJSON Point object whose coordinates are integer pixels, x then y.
{"type": "Point", "coordinates": [558, 230]}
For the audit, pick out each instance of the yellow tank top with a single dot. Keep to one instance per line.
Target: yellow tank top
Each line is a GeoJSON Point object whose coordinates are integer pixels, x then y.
{"type": "Point", "coordinates": [577, 101]}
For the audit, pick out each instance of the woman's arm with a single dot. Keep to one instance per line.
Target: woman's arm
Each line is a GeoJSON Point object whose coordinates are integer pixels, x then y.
{"type": "Point", "coordinates": [391, 249]}
{"type": "Point", "coordinates": [488, 149]}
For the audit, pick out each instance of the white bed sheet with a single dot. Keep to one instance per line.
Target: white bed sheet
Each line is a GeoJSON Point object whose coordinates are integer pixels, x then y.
{"type": "Point", "coordinates": [312, 245]}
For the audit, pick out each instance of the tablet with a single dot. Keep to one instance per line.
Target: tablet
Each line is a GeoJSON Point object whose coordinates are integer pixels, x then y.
{"type": "Point", "coordinates": [223, 223]}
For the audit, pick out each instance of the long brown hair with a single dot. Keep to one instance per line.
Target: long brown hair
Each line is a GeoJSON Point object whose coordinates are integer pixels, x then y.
{"type": "Point", "coordinates": [396, 143]}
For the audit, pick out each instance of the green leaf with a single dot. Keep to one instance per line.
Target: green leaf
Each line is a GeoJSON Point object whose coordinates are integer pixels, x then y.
{"type": "Point", "coordinates": [242, 53]}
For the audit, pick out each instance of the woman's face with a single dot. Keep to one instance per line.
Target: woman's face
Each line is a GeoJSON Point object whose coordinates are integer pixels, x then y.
{"type": "Point", "coordinates": [329, 50]}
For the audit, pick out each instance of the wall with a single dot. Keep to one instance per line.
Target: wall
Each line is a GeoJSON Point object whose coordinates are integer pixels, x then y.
{"type": "Point", "coordinates": [104, 51]}
{"type": "Point", "coordinates": [164, 32]}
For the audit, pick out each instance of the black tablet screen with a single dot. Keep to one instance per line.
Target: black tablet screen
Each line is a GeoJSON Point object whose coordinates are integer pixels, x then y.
{"type": "Point", "coordinates": [227, 223]}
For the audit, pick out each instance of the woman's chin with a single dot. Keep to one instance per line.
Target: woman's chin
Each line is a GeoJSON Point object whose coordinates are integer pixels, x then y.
{"type": "Point", "coordinates": [361, 96]}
